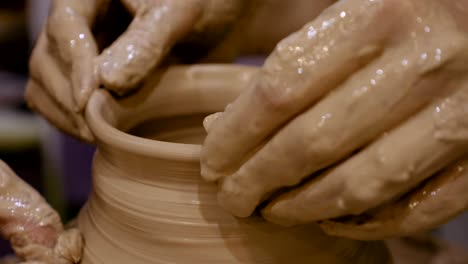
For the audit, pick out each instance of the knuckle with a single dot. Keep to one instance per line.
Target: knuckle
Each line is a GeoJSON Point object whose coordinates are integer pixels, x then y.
{"type": "Point", "coordinates": [209, 174]}
{"type": "Point", "coordinates": [360, 195]}
{"type": "Point", "coordinates": [236, 198]}
{"type": "Point", "coordinates": [123, 69]}
{"type": "Point", "coordinates": [35, 64]}
{"type": "Point", "coordinates": [275, 96]}
{"type": "Point", "coordinates": [382, 15]}
{"type": "Point", "coordinates": [280, 86]}
{"type": "Point", "coordinates": [320, 145]}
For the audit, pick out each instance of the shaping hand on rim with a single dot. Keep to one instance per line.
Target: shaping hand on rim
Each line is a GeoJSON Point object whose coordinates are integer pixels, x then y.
{"type": "Point", "coordinates": [66, 65]}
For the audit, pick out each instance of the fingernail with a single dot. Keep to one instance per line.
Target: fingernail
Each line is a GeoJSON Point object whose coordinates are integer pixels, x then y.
{"type": "Point", "coordinates": [275, 213]}
{"type": "Point", "coordinates": [208, 174]}
{"type": "Point", "coordinates": [210, 120]}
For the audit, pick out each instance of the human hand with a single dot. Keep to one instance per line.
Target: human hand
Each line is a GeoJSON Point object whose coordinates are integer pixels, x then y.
{"type": "Point", "coordinates": [66, 65]}
{"type": "Point", "coordinates": [33, 228]}
{"type": "Point", "coordinates": [348, 114]}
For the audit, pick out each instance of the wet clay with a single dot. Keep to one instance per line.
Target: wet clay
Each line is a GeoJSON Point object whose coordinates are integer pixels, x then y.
{"type": "Point", "coordinates": [436, 200]}
{"type": "Point", "coordinates": [149, 203]}
{"type": "Point", "coordinates": [354, 93]}
{"type": "Point", "coordinates": [88, 43]}
{"type": "Point", "coordinates": [33, 228]}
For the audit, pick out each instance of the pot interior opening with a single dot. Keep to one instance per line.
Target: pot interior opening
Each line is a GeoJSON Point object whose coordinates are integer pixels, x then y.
{"type": "Point", "coordinates": [187, 129]}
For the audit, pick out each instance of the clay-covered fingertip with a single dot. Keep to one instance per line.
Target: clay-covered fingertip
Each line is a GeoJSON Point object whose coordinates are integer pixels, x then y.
{"type": "Point", "coordinates": [276, 215]}
{"type": "Point", "coordinates": [210, 120]}
{"type": "Point", "coordinates": [239, 201]}
{"type": "Point", "coordinates": [209, 174]}
{"type": "Point", "coordinates": [233, 206]}
{"type": "Point", "coordinates": [115, 76]}
{"type": "Point", "coordinates": [70, 245]}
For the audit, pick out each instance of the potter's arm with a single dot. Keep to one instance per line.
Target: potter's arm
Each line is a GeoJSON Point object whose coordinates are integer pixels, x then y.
{"type": "Point", "coordinates": [32, 226]}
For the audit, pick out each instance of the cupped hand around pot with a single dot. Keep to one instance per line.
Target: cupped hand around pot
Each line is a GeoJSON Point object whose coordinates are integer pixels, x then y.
{"type": "Point", "coordinates": [353, 112]}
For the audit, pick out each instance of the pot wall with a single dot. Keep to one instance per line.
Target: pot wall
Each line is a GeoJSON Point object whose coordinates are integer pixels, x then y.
{"type": "Point", "coordinates": [149, 203]}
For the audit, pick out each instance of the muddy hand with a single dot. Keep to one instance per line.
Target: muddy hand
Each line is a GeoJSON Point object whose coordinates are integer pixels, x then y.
{"type": "Point", "coordinates": [33, 228]}
{"type": "Point", "coordinates": [373, 91]}
{"type": "Point", "coordinates": [441, 197]}
{"type": "Point", "coordinates": [65, 65]}
{"type": "Point", "coordinates": [62, 68]}
{"type": "Point", "coordinates": [156, 27]}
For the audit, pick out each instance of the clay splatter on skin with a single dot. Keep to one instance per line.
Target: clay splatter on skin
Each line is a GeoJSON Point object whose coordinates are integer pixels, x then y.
{"type": "Point", "coordinates": [33, 228]}
{"type": "Point", "coordinates": [356, 92]}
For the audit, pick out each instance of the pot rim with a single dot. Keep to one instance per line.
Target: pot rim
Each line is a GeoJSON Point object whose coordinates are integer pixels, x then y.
{"type": "Point", "coordinates": [102, 106]}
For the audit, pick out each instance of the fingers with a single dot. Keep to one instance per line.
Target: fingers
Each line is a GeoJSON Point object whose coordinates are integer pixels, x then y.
{"type": "Point", "coordinates": [47, 70]}
{"type": "Point", "coordinates": [41, 102]}
{"type": "Point", "coordinates": [69, 246]}
{"type": "Point", "coordinates": [61, 66]}
{"type": "Point", "coordinates": [156, 27]}
{"type": "Point", "coordinates": [66, 248]}
{"type": "Point", "coordinates": [388, 168]}
{"type": "Point", "coordinates": [439, 199]}
{"type": "Point", "coordinates": [209, 120]}
{"type": "Point", "coordinates": [49, 93]}
{"type": "Point", "coordinates": [83, 80]}
{"type": "Point", "coordinates": [25, 217]}
{"type": "Point", "coordinates": [32, 226]}
{"type": "Point", "coordinates": [345, 120]}
{"type": "Point", "coordinates": [69, 30]}
{"type": "Point", "coordinates": [21, 207]}
{"type": "Point", "coordinates": [303, 68]}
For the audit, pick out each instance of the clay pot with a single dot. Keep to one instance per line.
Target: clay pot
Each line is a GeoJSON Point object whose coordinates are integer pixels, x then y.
{"type": "Point", "coordinates": [149, 203]}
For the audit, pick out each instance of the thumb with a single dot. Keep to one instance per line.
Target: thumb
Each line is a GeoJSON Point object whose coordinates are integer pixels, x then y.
{"type": "Point", "coordinates": [151, 34]}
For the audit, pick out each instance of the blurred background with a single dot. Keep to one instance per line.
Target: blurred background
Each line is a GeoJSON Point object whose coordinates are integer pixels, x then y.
{"type": "Point", "coordinates": [53, 163]}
